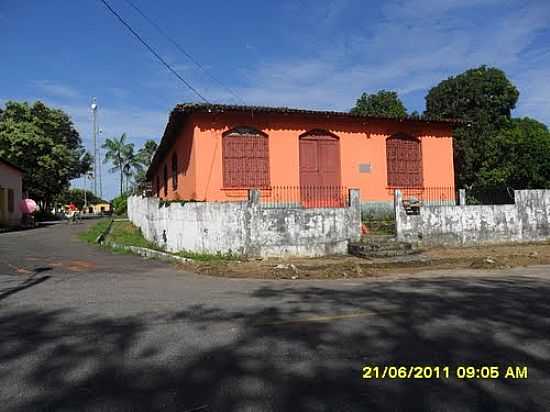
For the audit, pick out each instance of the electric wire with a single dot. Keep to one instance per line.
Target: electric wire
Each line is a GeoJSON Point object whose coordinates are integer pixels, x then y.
{"type": "Point", "coordinates": [183, 51]}
{"type": "Point", "coordinates": [152, 51]}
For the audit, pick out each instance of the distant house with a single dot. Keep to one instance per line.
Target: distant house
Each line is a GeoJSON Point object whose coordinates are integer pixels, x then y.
{"type": "Point", "coordinates": [11, 192]}
{"type": "Point", "coordinates": [216, 152]}
{"type": "Point", "coordinates": [97, 208]}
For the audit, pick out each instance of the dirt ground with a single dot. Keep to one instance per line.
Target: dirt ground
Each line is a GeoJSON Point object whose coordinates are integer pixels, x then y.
{"type": "Point", "coordinates": [482, 257]}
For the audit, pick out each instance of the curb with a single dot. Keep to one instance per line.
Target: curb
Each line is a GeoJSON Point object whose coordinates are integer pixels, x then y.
{"type": "Point", "coordinates": [150, 253]}
{"type": "Point", "coordinates": [101, 237]}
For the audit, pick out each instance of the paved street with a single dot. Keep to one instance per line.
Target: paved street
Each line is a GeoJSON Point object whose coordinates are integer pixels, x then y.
{"type": "Point", "coordinates": [84, 329]}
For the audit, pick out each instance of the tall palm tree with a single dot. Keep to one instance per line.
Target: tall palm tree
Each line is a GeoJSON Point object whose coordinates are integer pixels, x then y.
{"type": "Point", "coordinates": [147, 151]}
{"type": "Point", "coordinates": [145, 155]}
{"type": "Point", "coordinates": [132, 164]}
{"type": "Point", "coordinates": [116, 151]}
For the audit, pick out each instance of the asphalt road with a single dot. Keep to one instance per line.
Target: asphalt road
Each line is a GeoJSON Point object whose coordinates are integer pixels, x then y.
{"type": "Point", "coordinates": [83, 329]}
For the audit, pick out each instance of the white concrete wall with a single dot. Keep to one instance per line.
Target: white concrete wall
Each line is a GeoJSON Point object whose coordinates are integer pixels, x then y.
{"type": "Point", "coordinates": [527, 220]}
{"type": "Point", "coordinates": [10, 178]}
{"type": "Point", "coordinates": [245, 227]}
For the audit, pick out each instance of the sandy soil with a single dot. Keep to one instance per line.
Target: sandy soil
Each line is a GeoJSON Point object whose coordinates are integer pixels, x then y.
{"type": "Point", "coordinates": [483, 257]}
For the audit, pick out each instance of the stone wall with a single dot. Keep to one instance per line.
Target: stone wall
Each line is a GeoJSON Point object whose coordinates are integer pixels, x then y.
{"type": "Point", "coordinates": [246, 228]}
{"type": "Point", "coordinates": [526, 220]}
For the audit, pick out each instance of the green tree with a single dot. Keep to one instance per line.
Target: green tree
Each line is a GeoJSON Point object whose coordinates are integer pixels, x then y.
{"type": "Point", "coordinates": [120, 205]}
{"type": "Point", "coordinates": [133, 165]}
{"type": "Point", "coordinates": [145, 155]}
{"type": "Point", "coordinates": [519, 156]}
{"type": "Point", "coordinates": [484, 98]}
{"type": "Point", "coordinates": [116, 152]}
{"type": "Point", "coordinates": [146, 152]}
{"type": "Point", "coordinates": [44, 142]}
{"type": "Point", "coordinates": [383, 103]}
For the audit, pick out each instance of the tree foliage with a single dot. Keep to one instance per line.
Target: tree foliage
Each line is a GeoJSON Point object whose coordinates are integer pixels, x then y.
{"type": "Point", "coordinates": [120, 205]}
{"type": "Point", "coordinates": [484, 98]}
{"type": "Point", "coordinates": [483, 94]}
{"type": "Point", "coordinates": [519, 156]}
{"type": "Point", "coordinates": [145, 155]}
{"type": "Point", "coordinates": [130, 164]}
{"type": "Point", "coordinates": [44, 142]}
{"type": "Point", "coordinates": [383, 103]}
{"type": "Point", "coordinates": [146, 152]}
{"type": "Point", "coordinates": [117, 151]}
{"type": "Point", "coordinates": [133, 165]}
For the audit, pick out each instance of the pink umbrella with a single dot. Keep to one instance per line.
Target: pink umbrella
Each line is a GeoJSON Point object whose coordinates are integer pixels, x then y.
{"type": "Point", "coordinates": [28, 206]}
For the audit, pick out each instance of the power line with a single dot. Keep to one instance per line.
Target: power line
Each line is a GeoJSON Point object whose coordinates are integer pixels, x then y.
{"type": "Point", "coordinates": [182, 50]}
{"type": "Point", "coordinates": [159, 58]}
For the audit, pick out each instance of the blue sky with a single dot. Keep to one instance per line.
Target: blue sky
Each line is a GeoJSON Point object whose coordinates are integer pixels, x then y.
{"type": "Point", "coordinates": [316, 54]}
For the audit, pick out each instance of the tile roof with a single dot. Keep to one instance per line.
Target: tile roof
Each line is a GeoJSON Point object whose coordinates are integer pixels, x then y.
{"type": "Point", "coordinates": [181, 110]}
{"type": "Point", "coordinates": [211, 107]}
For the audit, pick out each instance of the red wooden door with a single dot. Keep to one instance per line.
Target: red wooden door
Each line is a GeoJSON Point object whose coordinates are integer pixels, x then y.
{"type": "Point", "coordinates": [319, 169]}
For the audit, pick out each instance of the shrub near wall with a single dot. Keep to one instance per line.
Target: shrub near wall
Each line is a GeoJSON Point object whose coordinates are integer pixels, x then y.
{"type": "Point", "coordinates": [120, 205]}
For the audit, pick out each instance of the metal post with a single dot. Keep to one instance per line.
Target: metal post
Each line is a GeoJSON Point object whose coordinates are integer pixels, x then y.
{"type": "Point", "coordinates": [94, 140]}
{"type": "Point", "coordinates": [99, 164]}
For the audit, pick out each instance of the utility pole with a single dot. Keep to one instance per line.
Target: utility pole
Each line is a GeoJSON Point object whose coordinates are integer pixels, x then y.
{"type": "Point", "coordinates": [94, 140]}
{"type": "Point", "coordinates": [99, 132]}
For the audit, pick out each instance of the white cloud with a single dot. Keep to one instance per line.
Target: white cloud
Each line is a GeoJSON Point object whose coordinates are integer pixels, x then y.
{"type": "Point", "coordinates": [414, 46]}
{"type": "Point", "coordinates": [59, 90]}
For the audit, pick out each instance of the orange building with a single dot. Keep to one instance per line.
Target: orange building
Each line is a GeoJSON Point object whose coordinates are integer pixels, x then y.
{"type": "Point", "coordinates": [216, 152]}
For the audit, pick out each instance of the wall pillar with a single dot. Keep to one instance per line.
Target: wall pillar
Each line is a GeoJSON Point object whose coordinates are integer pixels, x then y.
{"type": "Point", "coordinates": [355, 198]}
{"type": "Point", "coordinates": [462, 197]}
{"type": "Point", "coordinates": [355, 206]}
{"type": "Point", "coordinates": [397, 206]}
{"type": "Point", "coordinates": [254, 196]}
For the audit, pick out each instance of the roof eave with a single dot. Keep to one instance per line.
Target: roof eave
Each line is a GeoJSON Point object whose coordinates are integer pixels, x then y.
{"type": "Point", "coordinates": [12, 165]}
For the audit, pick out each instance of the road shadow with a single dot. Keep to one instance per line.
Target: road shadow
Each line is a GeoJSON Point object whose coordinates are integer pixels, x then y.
{"type": "Point", "coordinates": [301, 349]}
{"type": "Point", "coordinates": [29, 282]}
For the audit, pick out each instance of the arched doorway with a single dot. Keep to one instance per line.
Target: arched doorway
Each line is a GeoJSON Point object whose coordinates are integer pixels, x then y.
{"type": "Point", "coordinates": [320, 170]}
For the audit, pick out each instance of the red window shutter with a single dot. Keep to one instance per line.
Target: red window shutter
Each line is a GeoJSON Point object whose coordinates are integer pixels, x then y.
{"type": "Point", "coordinates": [404, 161]}
{"type": "Point", "coordinates": [245, 160]}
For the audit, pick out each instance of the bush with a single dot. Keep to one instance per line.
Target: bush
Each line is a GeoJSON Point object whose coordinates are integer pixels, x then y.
{"type": "Point", "coordinates": [120, 205]}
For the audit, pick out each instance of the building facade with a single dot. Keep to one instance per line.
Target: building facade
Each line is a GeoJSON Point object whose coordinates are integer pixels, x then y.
{"type": "Point", "coordinates": [217, 152]}
{"type": "Point", "coordinates": [11, 193]}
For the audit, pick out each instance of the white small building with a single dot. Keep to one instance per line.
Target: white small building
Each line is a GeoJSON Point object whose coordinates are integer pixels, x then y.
{"type": "Point", "coordinates": [11, 192]}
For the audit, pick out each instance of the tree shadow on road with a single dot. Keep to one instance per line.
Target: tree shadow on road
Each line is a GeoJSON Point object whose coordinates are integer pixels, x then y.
{"type": "Point", "coordinates": [301, 349]}
{"type": "Point", "coordinates": [27, 283]}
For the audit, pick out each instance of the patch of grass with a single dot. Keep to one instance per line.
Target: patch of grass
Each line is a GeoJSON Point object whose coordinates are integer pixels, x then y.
{"type": "Point", "coordinates": [208, 257]}
{"type": "Point", "coordinates": [127, 234]}
{"type": "Point", "coordinates": [91, 234]}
